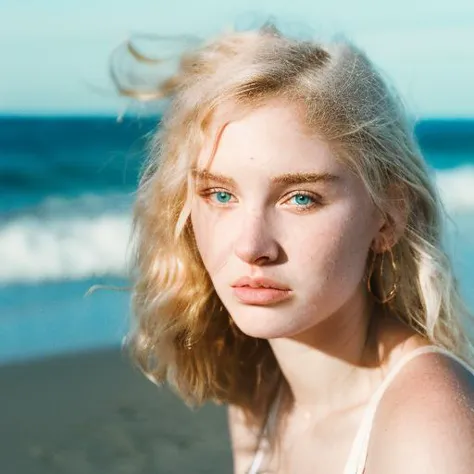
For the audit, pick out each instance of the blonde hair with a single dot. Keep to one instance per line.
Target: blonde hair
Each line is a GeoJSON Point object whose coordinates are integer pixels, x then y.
{"type": "Point", "coordinates": [180, 332]}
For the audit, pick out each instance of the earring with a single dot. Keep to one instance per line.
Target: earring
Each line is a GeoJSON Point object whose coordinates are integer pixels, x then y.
{"type": "Point", "coordinates": [188, 343]}
{"type": "Point", "coordinates": [393, 290]}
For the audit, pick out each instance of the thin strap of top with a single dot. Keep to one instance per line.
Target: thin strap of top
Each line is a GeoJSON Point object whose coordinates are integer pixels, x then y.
{"type": "Point", "coordinates": [358, 455]}
{"type": "Point", "coordinates": [257, 460]}
{"type": "Point", "coordinates": [270, 424]}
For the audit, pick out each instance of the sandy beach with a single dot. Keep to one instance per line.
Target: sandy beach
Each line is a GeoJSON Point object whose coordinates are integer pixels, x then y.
{"type": "Point", "coordinates": [95, 414]}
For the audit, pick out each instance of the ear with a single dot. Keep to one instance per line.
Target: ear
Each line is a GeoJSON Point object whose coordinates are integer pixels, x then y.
{"type": "Point", "coordinates": [394, 221]}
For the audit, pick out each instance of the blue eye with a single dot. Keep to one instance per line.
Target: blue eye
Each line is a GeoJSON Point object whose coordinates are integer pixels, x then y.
{"type": "Point", "coordinates": [222, 197]}
{"type": "Point", "coordinates": [302, 199]}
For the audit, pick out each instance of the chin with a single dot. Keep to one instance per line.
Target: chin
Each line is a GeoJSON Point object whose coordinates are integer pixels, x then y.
{"type": "Point", "coordinates": [264, 323]}
{"type": "Point", "coordinates": [263, 333]}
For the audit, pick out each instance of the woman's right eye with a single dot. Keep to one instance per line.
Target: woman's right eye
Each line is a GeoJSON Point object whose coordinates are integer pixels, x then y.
{"type": "Point", "coordinates": [218, 196]}
{"type": "Point", "coordinates": [222, 197]}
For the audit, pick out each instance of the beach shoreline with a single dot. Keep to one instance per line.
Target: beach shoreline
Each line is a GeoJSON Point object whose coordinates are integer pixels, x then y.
{"type": "Point", "coordinates": [94, 413]}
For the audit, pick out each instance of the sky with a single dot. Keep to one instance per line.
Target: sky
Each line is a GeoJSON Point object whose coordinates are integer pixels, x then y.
{"type": "Point", "coordinates": [54, 53]}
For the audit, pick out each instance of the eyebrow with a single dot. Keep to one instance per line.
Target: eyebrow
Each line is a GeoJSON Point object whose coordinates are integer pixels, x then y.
{"type": "Point", "coordinates": [298, 178]}
{"type": "Point", "coordinates": [286, 178]}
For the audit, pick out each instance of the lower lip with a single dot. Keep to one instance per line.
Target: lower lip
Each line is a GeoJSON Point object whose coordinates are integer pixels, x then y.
{"type": "Point", "coordinates": [260, 296]}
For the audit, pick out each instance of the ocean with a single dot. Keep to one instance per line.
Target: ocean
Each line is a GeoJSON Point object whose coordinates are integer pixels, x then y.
{"type": "Point", "coordinates": [66, 187]}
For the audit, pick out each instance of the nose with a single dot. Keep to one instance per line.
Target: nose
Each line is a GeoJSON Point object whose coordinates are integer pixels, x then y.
{"type": "Point", "coordinates": [255, 243]}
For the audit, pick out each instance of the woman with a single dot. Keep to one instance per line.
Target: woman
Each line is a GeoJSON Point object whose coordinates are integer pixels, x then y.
{"type": "Point", "coordinates": [289, 264]}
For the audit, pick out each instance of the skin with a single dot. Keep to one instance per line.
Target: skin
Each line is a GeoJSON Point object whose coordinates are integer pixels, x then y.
{"type": "Point", "coordinates": [314, 238]}
{"type": "Point", "coordinates": [317, 251]}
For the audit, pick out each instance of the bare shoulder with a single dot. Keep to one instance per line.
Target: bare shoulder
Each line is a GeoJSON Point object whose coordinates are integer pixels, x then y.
{"type": "Point", "coordinates": [425, 422]}
{"type": "Point", "coordinates": [244, 439]}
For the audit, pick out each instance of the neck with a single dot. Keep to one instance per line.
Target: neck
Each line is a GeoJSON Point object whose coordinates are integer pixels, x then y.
{"type": "Point", "coordinates": [327, 368]}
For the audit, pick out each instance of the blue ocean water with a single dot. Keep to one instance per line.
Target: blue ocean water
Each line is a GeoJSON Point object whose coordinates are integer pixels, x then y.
{"type": "Point", "coordinates": [66, 187]}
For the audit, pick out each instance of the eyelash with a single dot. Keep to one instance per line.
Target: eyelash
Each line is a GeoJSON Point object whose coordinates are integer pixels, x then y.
{"type": "Point", "coordinates": [317, 200]}
{"type": "Point", "coordinates": [207, 193]}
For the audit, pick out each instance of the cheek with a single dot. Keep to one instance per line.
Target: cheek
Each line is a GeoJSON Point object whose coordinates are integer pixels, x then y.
{"type": "Point", "coordinates": [213, 244]}
{"type": "Point", "coordinates": [352, 246]}
{"type": "Point", "coordinates": [334, 251]}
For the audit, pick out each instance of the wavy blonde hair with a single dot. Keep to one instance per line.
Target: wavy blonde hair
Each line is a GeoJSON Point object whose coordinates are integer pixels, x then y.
{"type": "Point", "coordinates": [347, 101]}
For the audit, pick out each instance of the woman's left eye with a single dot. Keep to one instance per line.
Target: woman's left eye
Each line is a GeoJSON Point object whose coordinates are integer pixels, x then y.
{"type": "Point", "coordinates": [302, 200]}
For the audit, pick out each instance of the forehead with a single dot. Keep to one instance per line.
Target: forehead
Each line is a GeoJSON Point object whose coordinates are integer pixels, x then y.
{"type": "Point", "coordinates": [270, 138]}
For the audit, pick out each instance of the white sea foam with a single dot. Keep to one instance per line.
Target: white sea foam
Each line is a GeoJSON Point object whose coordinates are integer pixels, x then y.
{"type": "Point", "coordinates": [64, 239]}
{"type": "Point", "coordinates": [457, 188]}
{"type": "Point", "coordinates": [89, 235]}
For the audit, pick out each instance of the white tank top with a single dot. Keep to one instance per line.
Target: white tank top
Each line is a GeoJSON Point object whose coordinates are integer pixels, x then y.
{"type": "Point", "coordinates": [357, 457]}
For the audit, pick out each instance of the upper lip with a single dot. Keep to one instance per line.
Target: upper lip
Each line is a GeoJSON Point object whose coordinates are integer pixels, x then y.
{"type": "Point", "coordinates": [259, 283]}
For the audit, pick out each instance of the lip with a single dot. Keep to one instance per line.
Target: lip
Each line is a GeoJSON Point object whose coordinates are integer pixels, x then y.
{"type": "Point", "coordinates": [259, 283]}
{"type": "Point", "coordinates": [260, 291]}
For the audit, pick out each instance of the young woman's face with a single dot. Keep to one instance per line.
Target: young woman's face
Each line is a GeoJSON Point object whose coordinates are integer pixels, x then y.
{"type": "Point", "coordinates": [273, 208]}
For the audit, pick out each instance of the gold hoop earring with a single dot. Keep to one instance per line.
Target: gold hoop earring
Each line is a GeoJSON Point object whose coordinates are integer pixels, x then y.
{"type": "Point", "coordinates": [189, 343]}
{"type": "Point", "coordinates": [396, 277]}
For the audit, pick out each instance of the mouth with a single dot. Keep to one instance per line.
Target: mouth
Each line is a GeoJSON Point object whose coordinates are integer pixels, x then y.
{"type": "Point", "coordinates": [260, 291]}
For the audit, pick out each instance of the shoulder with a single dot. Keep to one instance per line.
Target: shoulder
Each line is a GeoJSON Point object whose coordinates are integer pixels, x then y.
{"type": "Point", "coordinates": [425, 421]}
{"type": "Point", "coordinates": [244, 439]}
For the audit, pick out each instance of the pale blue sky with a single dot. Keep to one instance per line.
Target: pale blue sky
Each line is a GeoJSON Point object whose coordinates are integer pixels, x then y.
{"type": "Point", "coordinates": [51, 49]}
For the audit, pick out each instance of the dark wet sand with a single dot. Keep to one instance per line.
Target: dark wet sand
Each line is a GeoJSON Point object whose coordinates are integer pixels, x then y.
{"type": "Point", "coordinates": [95, 414]}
